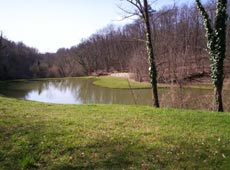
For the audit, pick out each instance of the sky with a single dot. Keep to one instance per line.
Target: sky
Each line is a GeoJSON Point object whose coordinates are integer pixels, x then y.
{"type": "Point", "coordinates": [48, 25]}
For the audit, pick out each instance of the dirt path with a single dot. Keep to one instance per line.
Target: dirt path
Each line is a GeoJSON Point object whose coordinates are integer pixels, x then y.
{"type": "Point", "coordinates": [121, 75]}
{"type": "Point", "coordinates": [128, 76]}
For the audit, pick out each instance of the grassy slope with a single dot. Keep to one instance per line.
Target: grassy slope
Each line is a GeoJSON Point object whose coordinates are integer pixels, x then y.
{"type": "Point", "coordinates": [123, 83]}
{"type": "Point", "coordinates": [114, 82]}
{"type": "Point", "coordinates": [46, 136]}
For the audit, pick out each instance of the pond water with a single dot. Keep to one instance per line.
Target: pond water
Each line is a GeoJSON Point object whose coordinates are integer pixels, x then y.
{"type": "Point", "coordinates": [82, 91]}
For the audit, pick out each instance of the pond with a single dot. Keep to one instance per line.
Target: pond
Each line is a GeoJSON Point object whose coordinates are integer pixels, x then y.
{"type": "Point", "coordinates": [82, 91]}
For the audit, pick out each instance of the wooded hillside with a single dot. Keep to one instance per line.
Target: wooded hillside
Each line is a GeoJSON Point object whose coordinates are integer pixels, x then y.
{"type": "Point", "coordinates": [179, 47]}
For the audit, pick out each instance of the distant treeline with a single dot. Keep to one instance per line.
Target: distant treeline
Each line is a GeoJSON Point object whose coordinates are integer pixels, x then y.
{"type": "Point", "coordinates": [179, 41]}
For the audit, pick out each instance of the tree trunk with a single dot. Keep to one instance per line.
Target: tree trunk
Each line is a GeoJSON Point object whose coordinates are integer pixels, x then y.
{"type": "Point", "coordinates": [218, 103]}
{"type": "Point", "coordinates": [152, 71]}
{"type": "Point", "coordinates": [216, 44]}
{"type": "Point", "coordinates": [151, 58]}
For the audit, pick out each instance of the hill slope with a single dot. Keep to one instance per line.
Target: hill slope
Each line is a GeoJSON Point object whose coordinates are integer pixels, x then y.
{"type": "Point", "coordinates": [46, 136]}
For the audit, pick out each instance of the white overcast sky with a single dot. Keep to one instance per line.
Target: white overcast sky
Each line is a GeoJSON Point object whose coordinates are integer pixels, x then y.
{"type": "Point", "coordinates": [51, 24]}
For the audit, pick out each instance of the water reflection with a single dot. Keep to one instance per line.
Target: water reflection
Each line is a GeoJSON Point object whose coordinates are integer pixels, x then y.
{"type": "Point", "coordinates": [82, 91]}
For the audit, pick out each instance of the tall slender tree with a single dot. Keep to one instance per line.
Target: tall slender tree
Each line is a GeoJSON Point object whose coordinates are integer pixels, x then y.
{"type": "Point", "coordinates": [216, 44]}
{"type": "Point", "coordinates": [144, 10]}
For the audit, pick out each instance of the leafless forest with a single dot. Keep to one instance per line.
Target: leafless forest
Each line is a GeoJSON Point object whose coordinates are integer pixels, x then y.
{"type": "Point", "coordinates": [179, 42]}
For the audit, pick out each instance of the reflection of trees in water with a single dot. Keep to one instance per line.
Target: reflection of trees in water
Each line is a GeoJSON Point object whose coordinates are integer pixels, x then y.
{"type": "Point", "coordinates": [20, 89]}
{"type": "Point", "coordinates": [226, 99]}
{"type": "Point", "coordinates": [85, 92]}
{"type": "Point", "coordinates": [186, 98]}
{"type": "Point", "coordinates": [88, 93]}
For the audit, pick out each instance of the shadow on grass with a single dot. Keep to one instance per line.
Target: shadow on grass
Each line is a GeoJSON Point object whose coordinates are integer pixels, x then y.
{"type": "Point", "coordinates": [20, 146]}
{"type": "Point", "coordinates": [39, 144]}
{"type": "Point", "coordinates": [105, 153]}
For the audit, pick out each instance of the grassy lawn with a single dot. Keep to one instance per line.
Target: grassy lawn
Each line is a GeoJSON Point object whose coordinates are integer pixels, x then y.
{"type": "Point", "coordinates": [118, 83]}
{"type": "Point", "coordinates": [35, 135]}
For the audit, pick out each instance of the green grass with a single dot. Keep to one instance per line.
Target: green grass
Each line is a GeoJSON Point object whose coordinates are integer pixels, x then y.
{"type": "Point", "coordinates": [118, 83]}
{"type": "Point", "coordinates": [123, 83]}
{"type": "Point", "coordinates": [35, 135]}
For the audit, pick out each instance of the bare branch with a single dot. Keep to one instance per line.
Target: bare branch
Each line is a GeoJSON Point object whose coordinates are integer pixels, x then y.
{"type": "Point", "coordinates": [137, 4]}
{"type": "Point", "coordinates": [164, 13]}
{"type": "Point", "coordinates": [130, 13]}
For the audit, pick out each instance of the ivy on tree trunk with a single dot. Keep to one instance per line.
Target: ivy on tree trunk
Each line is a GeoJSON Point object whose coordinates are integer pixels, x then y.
{"type": "Point", "coordinates": [216, 44]}
{"type": "Point", "coordinates": [151, 57]}
{"type": "Point", "coordinates": [143, 9]}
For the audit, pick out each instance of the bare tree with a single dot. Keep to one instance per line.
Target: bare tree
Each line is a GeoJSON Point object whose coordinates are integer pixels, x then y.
{"type": "Point", "coordinates": [216, 44]}
{"type": "Point", "coordinates": [144, 10]}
